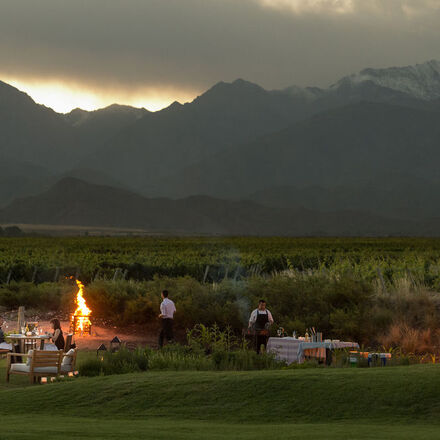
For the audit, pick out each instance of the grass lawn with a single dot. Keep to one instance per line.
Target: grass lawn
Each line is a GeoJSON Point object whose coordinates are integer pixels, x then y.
{"type": "Point", "coordinates": [379, 403]}
{"type": "Point", "coordinates": [168, 428]}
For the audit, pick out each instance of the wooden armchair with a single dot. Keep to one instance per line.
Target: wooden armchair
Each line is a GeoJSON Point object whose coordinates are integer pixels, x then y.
{"type": "Point", "coordinates": [68, 342]}
{"type": "Point", "coordinates": [41, 363]}
{"type": "Point", "coordinates": [68, 362]}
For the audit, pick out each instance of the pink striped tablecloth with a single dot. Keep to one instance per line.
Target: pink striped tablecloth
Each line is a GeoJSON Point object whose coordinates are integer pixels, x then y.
{"type": "Point", "coordinates": [292, 350]}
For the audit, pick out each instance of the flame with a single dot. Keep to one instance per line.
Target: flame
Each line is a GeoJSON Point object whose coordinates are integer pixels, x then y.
{"type": "Point", "coordinates": [82, 312]}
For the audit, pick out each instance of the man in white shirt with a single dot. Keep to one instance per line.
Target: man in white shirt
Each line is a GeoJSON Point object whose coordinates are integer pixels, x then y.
{"type": "Point", "coordinates": [260, 321]}
{"type": "Point", "coordinates": [167, 310]}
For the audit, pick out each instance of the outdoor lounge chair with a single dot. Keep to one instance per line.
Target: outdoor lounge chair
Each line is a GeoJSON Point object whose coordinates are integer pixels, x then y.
{"type": "Point", "coordinates": [40, 363]}
{"type": "Point", "coordinates": [68, 363]}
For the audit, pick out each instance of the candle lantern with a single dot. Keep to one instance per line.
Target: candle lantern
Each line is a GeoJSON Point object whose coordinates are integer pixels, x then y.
{"type": "Point", "coordinates": [115, 344]}
{"type": "Point", "coordinates": [100, 351]}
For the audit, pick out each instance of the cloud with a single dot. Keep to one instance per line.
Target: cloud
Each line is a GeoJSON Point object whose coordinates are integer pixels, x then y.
{"type": "Point", "coordinates": [377, 7]}
{"type": "Point", "coordinates": [312, 6]}
{"type": "Point", "coordinates": [187, 45]}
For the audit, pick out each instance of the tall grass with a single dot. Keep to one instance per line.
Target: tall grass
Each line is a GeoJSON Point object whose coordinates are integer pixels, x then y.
{"type": "Point", "coordinates": [342, 305]}
{"type": "Point", "coordinates": [178, 357]}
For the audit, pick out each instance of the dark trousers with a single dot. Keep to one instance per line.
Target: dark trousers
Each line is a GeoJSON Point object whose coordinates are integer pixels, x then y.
{"type": "Point", "coordinates": [166, 331]}
{"type": "Point", "coordinates": [260, 340]}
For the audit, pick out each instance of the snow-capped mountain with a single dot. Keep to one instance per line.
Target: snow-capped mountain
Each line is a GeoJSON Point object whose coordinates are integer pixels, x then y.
{"type": "Point", "coordinates": [421, 81]}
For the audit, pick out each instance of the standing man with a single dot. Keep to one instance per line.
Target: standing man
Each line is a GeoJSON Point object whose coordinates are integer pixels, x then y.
{"type": "Point", "coordinates": [260, 321]}
{"type": "Point", "coordinates": [167, 310]}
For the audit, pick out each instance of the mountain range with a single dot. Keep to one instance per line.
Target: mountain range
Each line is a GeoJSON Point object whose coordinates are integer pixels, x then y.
{"type": "Point", "coordinates": [366, 147]}
{"type": "Point", "coordinates": [76, 203]}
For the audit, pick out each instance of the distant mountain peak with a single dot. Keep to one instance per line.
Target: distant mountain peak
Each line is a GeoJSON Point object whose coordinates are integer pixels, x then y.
{"type": "Point", "coordinates": [10, 94]}
{"type": "Point", "coordinates": [421, 81]}
{"type": "Point", "coordinates": [115, 107]}
{"type": "Point", "coordinates": [306, 93]}
{"type": "Point", "coordinates": [240, 82]}
{"type": "Point", "coordinates": [68, 182]}
{"type": "Point", "coordinates": [234, 86]}
{"type": "Point", "coordinates": [237, 90]}
{"type": "Point", "coordinates": [173, 106]}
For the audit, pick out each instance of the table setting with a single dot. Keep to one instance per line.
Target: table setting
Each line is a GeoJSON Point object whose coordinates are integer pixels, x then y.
{"type": "Point", "coordinates": [295, 349]}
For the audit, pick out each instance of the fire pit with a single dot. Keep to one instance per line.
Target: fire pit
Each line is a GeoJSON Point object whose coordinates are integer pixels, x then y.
{"type": "Point", "coordinates": [80, 320]}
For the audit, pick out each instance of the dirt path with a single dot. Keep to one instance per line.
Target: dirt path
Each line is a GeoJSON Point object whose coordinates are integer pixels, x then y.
{"type": "Point", "coordinates": [100, 334]}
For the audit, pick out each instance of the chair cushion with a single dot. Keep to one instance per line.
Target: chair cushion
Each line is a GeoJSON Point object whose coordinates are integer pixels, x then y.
{"type": "Point", "coordinates": [29, 357]}
{"type": "Point", "coordinates": [21, 368]}
{"type": "Point", "coordinates": [68, 358]}
{"type": "Point", "coordinates": [49, 370]}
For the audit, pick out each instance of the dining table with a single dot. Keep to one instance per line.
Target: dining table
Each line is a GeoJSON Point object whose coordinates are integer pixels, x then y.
{"type": "Point", "coordinates": [292, 350]}
{"type": "Point", "coordinates": [28, 342]}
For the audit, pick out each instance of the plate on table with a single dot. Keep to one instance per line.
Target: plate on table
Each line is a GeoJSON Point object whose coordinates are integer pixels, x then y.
{"type": "Point", "coordinates": [16, 335]}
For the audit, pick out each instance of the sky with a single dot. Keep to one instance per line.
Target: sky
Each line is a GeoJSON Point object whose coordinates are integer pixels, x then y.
{"type": "Point", "coordinates": [149, 53]}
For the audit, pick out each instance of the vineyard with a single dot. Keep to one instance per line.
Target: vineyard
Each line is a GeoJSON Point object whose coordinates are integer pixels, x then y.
{"type": "Point", "coordinates": [375, 291]}
{"type": "Point", "coordinates": [214, 259]}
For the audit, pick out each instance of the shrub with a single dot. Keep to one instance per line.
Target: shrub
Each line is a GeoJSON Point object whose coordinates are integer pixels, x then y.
{"type": "Point", "coordinates": [178, 357]}
{"type": "Point", "coordinates": [90, 367]}
{"type": "Point", "coordinates": [409, 339]}
{"type": "Point", "coordinates": [46, 296]}
{"type": "Point", "coordinates": [340, 305]}
{"type": "Point", "coordinates": [212, 339]}
{"type": "Point", "coordinates": [120, 362]}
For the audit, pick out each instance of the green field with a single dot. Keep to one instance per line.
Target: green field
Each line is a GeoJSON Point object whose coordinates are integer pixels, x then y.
{"type": "Point", "coordinates": [44, 259]}
{"type": "Point", "coordinates": [379, 403]}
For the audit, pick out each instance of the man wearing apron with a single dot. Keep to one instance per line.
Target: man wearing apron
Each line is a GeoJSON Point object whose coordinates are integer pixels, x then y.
{"type": "Point", "coordinates": [260, 321]}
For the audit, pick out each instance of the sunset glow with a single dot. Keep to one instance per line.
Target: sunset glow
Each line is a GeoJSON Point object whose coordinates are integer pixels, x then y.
{"type": "Point", "coordinates": [64, 96]}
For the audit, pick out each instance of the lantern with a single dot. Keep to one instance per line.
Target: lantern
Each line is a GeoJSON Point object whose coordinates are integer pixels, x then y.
{"type": "Point", "coordinates": [115, 344]}
{"type": "Point", "coordinates": [100, 351]}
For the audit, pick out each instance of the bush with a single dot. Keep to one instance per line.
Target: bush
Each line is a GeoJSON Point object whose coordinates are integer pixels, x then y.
{"type": "Point", "coordinates": [46, 296]}
{"type": "Point", "coordinates": [341, 305]}
{"type": "Point", "coordinates": [244, 360]}
{"type": "Point", "coordinates": [91, 367]}
{"type": "Point", "coordinates": [211, 339]}
{"type": "Point", "coordinates": [120, 362]}
{"type": "Point", "coordinates": [177, 357]}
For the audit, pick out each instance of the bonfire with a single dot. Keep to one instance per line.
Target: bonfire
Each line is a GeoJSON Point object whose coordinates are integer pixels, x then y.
{"type": "Point", "coordinates": [80, 320]}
